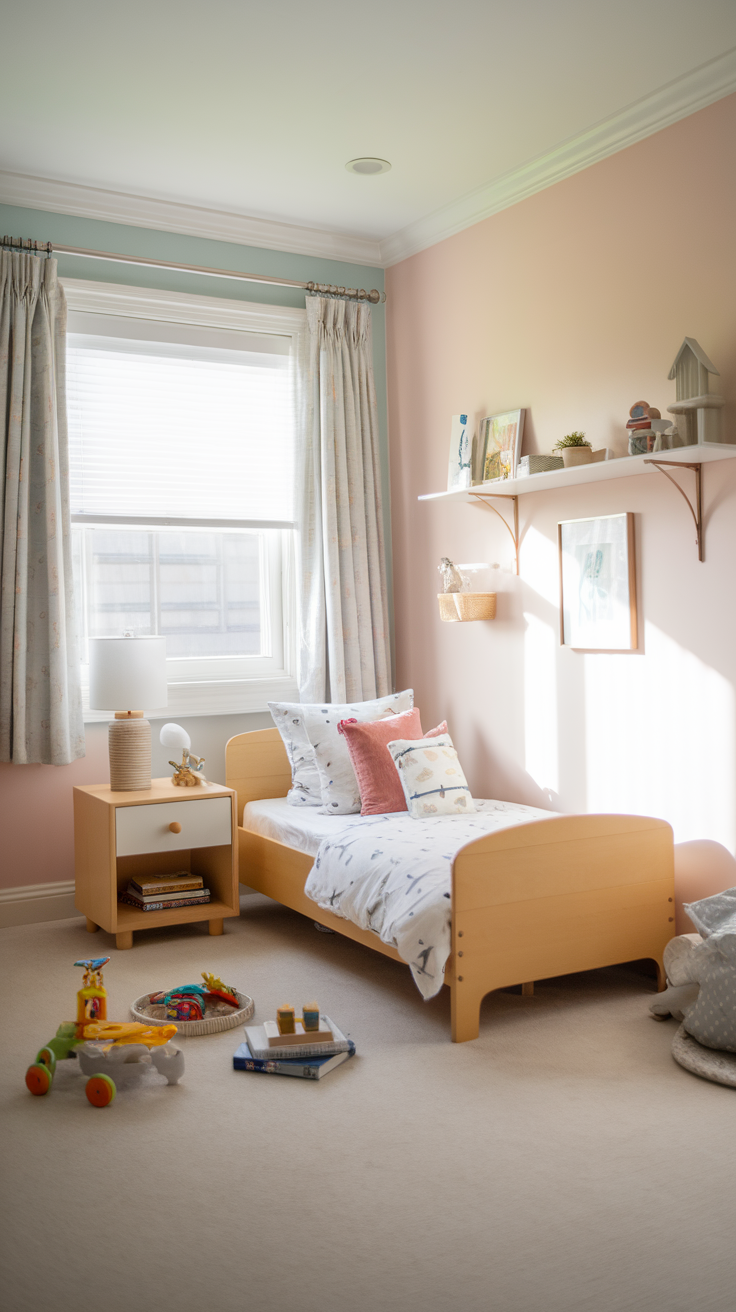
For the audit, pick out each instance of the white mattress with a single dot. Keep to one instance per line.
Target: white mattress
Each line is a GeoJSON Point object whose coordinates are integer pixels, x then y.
{"type": "Point", "coordinates": [302, 827]}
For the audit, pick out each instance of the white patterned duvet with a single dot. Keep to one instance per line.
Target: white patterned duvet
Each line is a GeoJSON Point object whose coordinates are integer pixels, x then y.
{"type": "Point", "coordinates": [388, 873]}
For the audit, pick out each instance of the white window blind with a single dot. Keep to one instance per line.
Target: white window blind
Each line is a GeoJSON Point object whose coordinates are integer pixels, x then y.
{"type": "Point", "coordinates": [199, 427]}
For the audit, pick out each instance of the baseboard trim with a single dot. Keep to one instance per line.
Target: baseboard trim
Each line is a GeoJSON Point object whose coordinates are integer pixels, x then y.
{"type": "Point", "coordinates": [33, 903]}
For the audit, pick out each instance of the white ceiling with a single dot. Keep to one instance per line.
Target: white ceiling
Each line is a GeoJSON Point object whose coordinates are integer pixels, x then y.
{"type": "Point", "coordinates": [254, 109]}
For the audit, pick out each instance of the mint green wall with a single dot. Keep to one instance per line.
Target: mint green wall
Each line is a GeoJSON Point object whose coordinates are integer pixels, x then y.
{"type": "Point", "coordinates": [95, 234]}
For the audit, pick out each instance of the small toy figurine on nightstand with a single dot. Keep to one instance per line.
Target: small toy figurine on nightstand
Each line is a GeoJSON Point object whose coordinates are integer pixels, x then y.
{"type": "Point", "coordinates": [189, 773]}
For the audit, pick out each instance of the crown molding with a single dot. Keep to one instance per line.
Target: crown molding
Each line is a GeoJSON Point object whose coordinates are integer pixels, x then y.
{"type": "Point", "coordinates": [190, 220]}
{"type": "Point", "coordinates": [676, 100]}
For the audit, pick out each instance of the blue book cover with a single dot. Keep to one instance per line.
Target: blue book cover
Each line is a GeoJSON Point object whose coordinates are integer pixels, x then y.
{"type": "Point", "coordinates": [304, 1068]}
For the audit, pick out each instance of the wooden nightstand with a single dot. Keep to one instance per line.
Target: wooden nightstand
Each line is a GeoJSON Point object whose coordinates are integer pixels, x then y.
{"type": "Point", "coordinates": [157, 830]}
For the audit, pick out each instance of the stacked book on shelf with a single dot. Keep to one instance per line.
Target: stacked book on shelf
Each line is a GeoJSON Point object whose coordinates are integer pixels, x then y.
{"type": "Point", "coordinates": [164, 892]}
{"type": "Point", "coordinates": [309, 1061]}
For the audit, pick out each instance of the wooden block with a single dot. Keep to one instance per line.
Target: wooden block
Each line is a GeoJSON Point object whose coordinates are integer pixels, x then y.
{"type": "Point", "coordinates": [300, 1036]}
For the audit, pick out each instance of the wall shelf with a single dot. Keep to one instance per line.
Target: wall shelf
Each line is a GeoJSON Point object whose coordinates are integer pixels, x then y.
{"type": "Point", "coordinates": [687, 457]}
{"type": "Point", "coordinates": [702, 453]}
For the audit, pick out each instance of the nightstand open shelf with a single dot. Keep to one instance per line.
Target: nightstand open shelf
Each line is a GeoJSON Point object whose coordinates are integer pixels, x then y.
{"type": "Point", "coordinates": [156, 831]}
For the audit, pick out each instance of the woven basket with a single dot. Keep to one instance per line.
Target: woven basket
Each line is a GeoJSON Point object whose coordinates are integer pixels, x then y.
{"type": "Point", "coordinates": [467, 605]}
{"type": "Point", "coordinates": [152, 1014]}
{"type": "Point", "coordinates": [448, 609]}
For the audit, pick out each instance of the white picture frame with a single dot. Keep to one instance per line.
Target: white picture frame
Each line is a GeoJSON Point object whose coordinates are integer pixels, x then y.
{"type": "Point", "coordinates": [460, 465]}
{"type": "Point", "coordinates": [598, 610]}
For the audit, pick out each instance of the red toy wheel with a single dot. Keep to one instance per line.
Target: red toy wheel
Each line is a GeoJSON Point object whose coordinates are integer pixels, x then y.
{"type": "Point", "coordinates": [47, 1057]}
{"type": "Point", "coordinates": [38, 1079]}
{"type": "Point", "coordinates": [100, 1090]}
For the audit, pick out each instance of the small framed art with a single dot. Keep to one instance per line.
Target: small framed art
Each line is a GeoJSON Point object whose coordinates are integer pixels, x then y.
{"type": "Point", "coordinates": [598, 583]}
{"type": "Point", "coordinates": [459, 469]}
{"type": "Point", "coordinates": [500, 444]}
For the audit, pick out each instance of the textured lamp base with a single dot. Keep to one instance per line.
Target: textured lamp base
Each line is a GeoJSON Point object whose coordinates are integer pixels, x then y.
{"type": "Point", "coordinates": [129, 743]}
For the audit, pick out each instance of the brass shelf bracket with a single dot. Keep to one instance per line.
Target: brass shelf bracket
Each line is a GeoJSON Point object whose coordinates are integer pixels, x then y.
{"type": "Point", "coordinates": [484, 499]}
{"type": "Point", "coordinates": [695, 510]}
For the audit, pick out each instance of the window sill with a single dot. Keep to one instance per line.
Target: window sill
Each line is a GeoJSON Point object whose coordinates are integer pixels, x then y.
{"type": "Point", "coordinates": [215, 697]}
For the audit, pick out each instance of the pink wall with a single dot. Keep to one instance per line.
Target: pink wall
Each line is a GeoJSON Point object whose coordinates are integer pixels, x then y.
{"type": "Point", "coordinates": [573, 304]}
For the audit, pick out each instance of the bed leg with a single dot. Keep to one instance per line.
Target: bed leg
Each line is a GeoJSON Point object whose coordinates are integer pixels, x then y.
{"type": "Point", "coordinates": [661, 977]}
{"type": "Point", "coordinates": [464, 1011]}
{"type": "Point", "coordinates": [527, 990]}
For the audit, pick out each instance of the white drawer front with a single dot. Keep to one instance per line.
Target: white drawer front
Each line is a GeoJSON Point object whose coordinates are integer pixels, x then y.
{"type": "Point", "coordinates": [146, 828]}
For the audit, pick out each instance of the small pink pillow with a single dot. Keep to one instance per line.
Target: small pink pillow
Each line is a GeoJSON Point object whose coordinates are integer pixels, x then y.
{"type": "Point", "coordinates": [378, 779]}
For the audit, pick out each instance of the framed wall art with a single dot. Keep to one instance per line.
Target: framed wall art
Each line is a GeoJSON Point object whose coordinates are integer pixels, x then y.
{"type": "Point", "coordinates": [598, 583]}
{"type": "Point", "coordinates": [500, 444]}
{"type": "Point", "coordinates": [459, 470]}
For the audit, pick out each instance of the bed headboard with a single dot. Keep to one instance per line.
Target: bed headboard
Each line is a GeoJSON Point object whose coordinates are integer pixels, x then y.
{"type": "Point", "coordinates": [256, 766]}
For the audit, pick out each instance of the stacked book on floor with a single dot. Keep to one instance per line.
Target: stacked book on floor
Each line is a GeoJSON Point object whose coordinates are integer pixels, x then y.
{"type": "Point", "coordinates": [307, 1062]}
{"type": "Point", "coordinates": [162, 892]}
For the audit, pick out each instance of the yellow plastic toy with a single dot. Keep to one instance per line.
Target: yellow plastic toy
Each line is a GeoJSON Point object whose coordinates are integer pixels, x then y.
{"type": "Point", "coordinates": [103, 1047]}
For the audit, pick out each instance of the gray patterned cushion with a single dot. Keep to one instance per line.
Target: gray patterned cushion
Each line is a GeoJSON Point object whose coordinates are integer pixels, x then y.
{"type": "Point", "coordinates": [712, 1020]}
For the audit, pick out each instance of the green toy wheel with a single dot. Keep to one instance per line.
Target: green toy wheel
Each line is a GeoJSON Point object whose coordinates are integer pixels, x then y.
{"type": "Point", "coordinates": [38, 1079]}
{"type": "Point", "coordinates": [47, 1057]}
{"type": "Point", "coordinates": [100, 1090]}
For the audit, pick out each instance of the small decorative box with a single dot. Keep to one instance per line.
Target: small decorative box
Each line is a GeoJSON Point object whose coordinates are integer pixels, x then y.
{"type": "Point", "coordinates": [537, 464]}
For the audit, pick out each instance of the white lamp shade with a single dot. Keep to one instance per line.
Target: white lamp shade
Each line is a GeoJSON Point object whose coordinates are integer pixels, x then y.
{"type": "Point", "coordinates": [127, 674]}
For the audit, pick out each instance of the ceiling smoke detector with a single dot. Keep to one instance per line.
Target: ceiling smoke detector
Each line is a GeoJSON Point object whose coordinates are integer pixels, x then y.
{"type": "Point", "coordinates": [367, 165]}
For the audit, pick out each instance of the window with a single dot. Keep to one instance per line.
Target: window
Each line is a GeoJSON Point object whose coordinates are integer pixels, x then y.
{"type": "Point", "coordinates": [182, 490]}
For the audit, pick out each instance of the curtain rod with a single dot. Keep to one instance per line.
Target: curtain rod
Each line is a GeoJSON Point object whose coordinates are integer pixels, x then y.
{"type": "Point", "coordinates": [326, 289]}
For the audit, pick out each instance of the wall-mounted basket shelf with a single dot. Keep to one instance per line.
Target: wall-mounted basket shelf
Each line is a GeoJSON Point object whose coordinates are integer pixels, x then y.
{"type": "Point", "coordinates": [465, 606]}
{"type": "Point", "coordinates": [688, 457]}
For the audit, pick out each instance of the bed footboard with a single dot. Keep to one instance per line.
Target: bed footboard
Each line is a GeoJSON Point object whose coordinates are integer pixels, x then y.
{"type": "Point", "coordinates": [554, 897]}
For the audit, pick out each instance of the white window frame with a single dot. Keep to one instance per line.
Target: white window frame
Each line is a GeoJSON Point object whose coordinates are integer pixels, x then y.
{"type": "Point", "coordinates": [193, 687]}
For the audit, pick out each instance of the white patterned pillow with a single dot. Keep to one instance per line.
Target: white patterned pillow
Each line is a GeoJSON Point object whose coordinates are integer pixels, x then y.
{"type": "Point", "coordinates": [340, 793]}
{"type": "Point", "coordinates": [305, 786]}
{"type": "Point", "coordinates": [431, 776]}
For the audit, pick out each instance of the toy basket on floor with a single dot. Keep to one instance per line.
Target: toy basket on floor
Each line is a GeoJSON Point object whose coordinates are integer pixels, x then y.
{"type": "Point", "coordinates": [218, 1016]}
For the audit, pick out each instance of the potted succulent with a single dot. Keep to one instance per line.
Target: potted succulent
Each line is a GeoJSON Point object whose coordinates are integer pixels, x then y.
{"type": "Point", "coordinates": [574, 449]}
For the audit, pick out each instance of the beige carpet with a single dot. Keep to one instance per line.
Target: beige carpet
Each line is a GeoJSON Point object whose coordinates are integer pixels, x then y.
{"type": "Point", "coordinates": [561, 1163]}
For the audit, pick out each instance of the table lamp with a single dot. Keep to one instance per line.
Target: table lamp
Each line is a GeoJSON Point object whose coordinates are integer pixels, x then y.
{"type": "Point", "coordinates": [128, 672]}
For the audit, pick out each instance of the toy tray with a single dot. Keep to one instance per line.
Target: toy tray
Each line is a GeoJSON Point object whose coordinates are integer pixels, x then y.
{"type": "Point", "coordinates": [218, 1016]}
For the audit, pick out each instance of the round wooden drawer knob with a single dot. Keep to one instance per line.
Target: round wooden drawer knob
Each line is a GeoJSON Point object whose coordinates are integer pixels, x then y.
{"type": "Point", "coordinates": [175, 827]}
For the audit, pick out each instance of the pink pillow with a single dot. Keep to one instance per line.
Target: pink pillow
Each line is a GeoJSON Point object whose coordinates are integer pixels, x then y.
{"type": "Point", "coordinates": [378, 778]}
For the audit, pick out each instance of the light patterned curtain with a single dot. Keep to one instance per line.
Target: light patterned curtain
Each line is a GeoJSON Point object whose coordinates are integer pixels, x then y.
{"type": "Point", "coordinates": [344, 637]}
{"type": "Point", "coordinates": [40, 695]}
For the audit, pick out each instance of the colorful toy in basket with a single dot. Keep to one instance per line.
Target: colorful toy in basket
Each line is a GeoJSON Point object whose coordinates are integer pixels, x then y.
{"type": "Point", "coordinates": [189, 1001]}
{"type": "Point", "coordinates": [109, 1052]}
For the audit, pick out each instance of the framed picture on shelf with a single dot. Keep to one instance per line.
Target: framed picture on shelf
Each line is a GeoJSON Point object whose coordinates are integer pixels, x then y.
{"type": "Point", "coordinates": [598, 583]}
{"type": "Point", "coordinates": [500, 444]}
{"type": "Point", "coordinates": [459, 470]}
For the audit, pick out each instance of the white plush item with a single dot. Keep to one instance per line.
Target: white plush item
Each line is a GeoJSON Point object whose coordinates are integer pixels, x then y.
{"type": "Point", "coordinates": [289, 720]}
{"type": "Point", "coordinates": [340, 794]}
{"type": "Point", "coordinates": [432, 777]}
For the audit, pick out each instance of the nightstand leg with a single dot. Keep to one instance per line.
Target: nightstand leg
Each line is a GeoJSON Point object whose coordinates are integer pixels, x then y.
{"type": "Point", "coordinates": [217, 926]}
{"type": "Point", "coordinates": [92, 928]}
{"type": "Point", "coordinates": [124, 940]}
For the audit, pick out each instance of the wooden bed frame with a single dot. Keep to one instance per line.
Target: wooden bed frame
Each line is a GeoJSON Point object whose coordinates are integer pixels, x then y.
{"type": "Point", "coordinates": [548, 898]}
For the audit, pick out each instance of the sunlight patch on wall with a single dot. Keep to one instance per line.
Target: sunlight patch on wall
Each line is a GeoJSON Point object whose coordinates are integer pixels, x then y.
{"type": "Point", "coordinates": [541, 566]}
{"type": "Point", "coordinates": [540, 703]}
{"type": "Point", "coordinates": [660, 739]}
